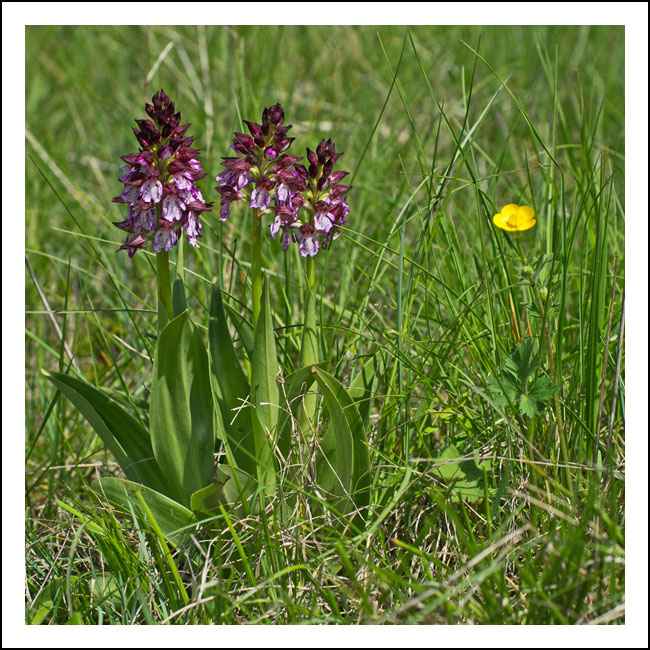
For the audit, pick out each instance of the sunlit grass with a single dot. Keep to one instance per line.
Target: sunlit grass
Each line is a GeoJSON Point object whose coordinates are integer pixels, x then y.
{"type": "Point", "coordinates": [441, 128]}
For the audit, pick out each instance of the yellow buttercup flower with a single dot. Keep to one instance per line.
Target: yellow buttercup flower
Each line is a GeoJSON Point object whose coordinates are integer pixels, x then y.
{"type": "Point", "coordinates": [515, 218]}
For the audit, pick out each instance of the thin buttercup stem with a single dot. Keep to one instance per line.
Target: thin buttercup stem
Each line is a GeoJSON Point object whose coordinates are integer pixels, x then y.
{"type": "Point", "coordinates": [541, 306]}
{"type": "Point", "coordinates": [554, 374]}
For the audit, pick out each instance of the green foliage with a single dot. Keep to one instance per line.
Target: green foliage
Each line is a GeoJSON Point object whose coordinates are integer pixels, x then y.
{"type": "Point", "coordinates": [265, 394]}
{"type": "Point", "coordinates": [295, 387]}
{"type": "Point", "coordinates": [47, 602]}
{"type": "Point", "coordinates": [462, 476]}
{"type": "Point", "coordinates": [362, 387]}
{"type": "Point", "coordinates": [172, 518]}
{"type": "Point", "coordinates": [230, 388]}
{"type": "Point", "coordinates": [129, 442]}
{"type": "Point", "coordinates": [233, 489]}
{"type": "Point", "coordinates": [417, 303]}
{"type": "Point", "coordinates": [516, 385]}
{"type": "Point", "coordinates": [179, 302]}
{"type": "Point", "coordinates": [181, 417]}
{"type": "Point", "coordinates": [343, 465]}
{"type": "Point", "coordinates": [243, 327]}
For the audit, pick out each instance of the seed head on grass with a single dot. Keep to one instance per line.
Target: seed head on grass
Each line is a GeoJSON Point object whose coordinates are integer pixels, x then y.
{"type": "Point", "coordinates": [160, 182]}
{"type": "Point", "coordinates": [515, 218]}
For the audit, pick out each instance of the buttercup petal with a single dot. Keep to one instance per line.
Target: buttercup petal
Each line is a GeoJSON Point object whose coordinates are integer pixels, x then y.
{"type": "Point", "coordinates": [510, 209]}
{"type": "Point", "coordinates": [501, 221]}
{"type": "Point", "coordinates": [527, 225]}
{"type": "Point", "coordinates": [526, 213]}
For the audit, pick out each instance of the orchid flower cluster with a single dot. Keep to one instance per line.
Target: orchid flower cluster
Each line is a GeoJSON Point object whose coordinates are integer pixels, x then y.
{"type": "Point", "coordinates": [169, 459]}
{"type": "Point", "coordinates": [274, 183]}
{"type": "Point", "coordinates": [160, 182]}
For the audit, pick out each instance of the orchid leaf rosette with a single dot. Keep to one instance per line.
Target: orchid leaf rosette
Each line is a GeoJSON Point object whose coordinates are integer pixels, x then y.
{"type": "Point", "coordinates": [160, 182]}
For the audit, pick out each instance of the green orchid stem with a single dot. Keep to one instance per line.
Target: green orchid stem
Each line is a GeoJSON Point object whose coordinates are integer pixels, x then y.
{"type": "Point", "coordinates": [165, 312]}
{"type": "Point", "coordinates": [256, 266]}
{"type": "Point", "coordinates": [309, 346]}
{"type": "Point", "coordinates": [309, 343]}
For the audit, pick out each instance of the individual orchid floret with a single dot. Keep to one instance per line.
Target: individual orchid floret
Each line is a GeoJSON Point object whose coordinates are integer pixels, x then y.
{"type": "Point", "coordinates": [132, 244]}
{"type": "Point", "coordinates": [228, 195]}
{"type": "Point", "coordinates": [307, 240]}
{"type": "Point", "coordinates": [160, 182]}
{"type": "Point", "coordinates": [193, 228]}
{"type": "Point", "coordinates": [285, 218]}
{"type": "Point", "coordinates": [173, 208]}
{"type": "Point", "coordinates": [323, 219]}
{"type": "Point", "coordinates": [236, 173]}
{"type": "Point", "coordinates": [261, 195]}
{"type": "Point", "coordinates": [151, 191]}
{"type": "Point", "coordinates": [165, 238]}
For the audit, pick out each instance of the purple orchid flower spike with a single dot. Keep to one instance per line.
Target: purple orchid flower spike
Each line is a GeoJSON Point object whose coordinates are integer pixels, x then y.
{"type": "Point", "coordinates": [274, 182]}
{"type": "Point", "coordinates": [323, 198]}
{"type": "Point", "coordinates": [160, 182]}
{"type": "Point", "coordinates": [257, 167]}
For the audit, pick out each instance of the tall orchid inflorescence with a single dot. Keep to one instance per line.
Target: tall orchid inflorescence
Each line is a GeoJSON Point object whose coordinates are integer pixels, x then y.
{"type": "Point", "coordinates": [170, 468]}
{"type": "Point", "coordinates": [160, 182]}
{"type": "Point", "coordinates": [273, 183]}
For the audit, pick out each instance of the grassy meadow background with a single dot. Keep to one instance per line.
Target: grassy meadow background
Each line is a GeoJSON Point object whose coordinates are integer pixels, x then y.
{"type": "Point", "coordinates": [437, 140]}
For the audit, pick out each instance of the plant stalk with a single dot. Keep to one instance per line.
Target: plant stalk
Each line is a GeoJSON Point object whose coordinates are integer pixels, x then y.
{"type": "Point", "coordinates": [256, 266]}
{"type": "Point", "coordinates": [165, 312]}
{"type": "Point", "coordinates": [541, 306]}
{"type": "Point", "coordinates": [556, 380]}
{"type": "Point", "coordinates": [309, 347]}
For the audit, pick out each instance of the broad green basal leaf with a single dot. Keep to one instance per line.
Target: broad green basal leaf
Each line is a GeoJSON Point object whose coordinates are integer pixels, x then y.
{"type": "Point", "coordinates": [230, 387]}
{"type": "Point", "coordinates": [179, 302]}
{"type": "Point", "coordinates": [125, 438]}
{"type": "Point", "coordinates": [181, 419]}
{"type": "Point", "coordinates": [294, 389]}
{"type": "Point", "coordinates": [172, 517]}
{"type": "Point", "coordinates": [265, 394]}
{"type": "Point", "coordinates": [344, 466]}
